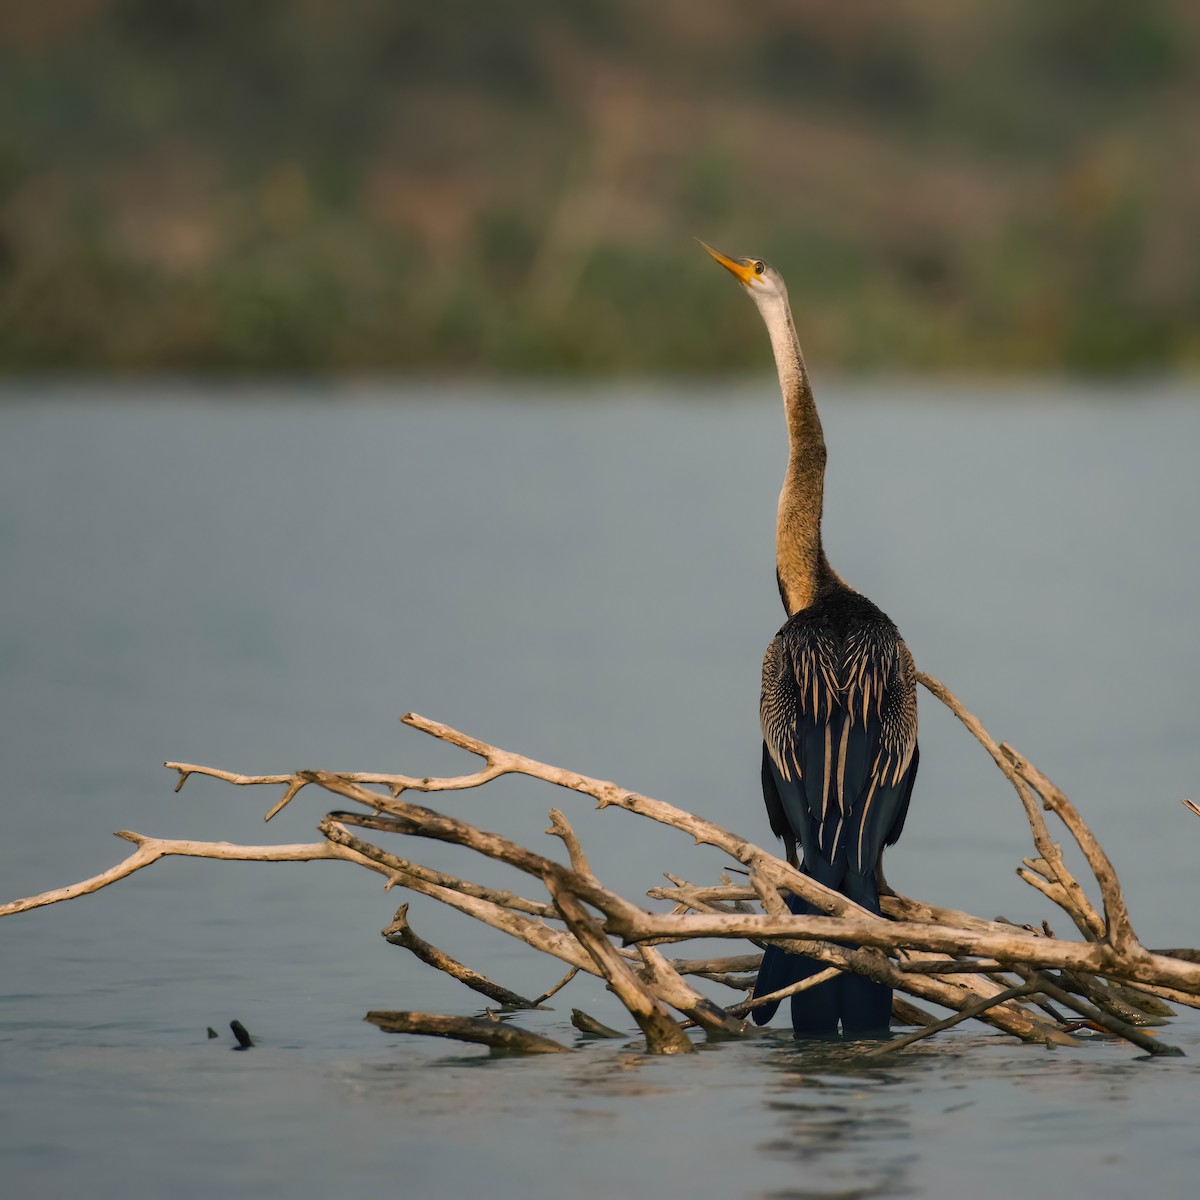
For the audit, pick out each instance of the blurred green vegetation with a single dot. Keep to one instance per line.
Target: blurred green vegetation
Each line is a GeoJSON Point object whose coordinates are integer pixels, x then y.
{"type": "Point", "coordinates": [297, 186]}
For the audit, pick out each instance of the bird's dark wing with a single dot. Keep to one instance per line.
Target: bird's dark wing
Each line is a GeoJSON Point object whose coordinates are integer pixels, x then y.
{"type": "Point", "coordinates": [839, 726]}
{"type": "Point", "coordinates": [910, 778]}
{"type": "Point", "coordinates": [776, 814]}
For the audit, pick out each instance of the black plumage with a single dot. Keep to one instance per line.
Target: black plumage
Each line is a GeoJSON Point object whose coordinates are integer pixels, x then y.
{"type": "Point", "coordinates": [839, 720]}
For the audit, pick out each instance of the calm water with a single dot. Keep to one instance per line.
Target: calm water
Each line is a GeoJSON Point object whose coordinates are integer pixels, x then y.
{"type": "Point", "coordinates": [223, 577]}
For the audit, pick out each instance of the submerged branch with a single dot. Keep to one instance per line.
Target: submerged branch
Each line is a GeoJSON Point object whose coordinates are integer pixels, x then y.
{"type": "Point", "coordinates": [1099, 1016]}
{"type": "Point", "coordinates": [467, 1029]}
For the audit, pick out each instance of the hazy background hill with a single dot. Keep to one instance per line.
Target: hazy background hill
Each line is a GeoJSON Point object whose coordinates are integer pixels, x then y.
{"type": "Point", "coordinates": [375, 185]}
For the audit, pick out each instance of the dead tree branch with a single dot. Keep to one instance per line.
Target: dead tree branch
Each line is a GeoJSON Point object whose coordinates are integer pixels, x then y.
{"type": "Point", "coordinates": [400, 933]}
{"type": "Point", "coordinates": [150, 850]}
{"type": "Point", "coordinates": [971, 1010]}
{"type": "Point", "coordinates": [936, 954]}
{"type": "Point", "coordinates": [467, 1029]}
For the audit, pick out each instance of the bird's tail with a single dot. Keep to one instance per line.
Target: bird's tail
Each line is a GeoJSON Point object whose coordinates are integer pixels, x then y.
{"type": "Point", "coordinates": [859, 1004]}
{"type": "Point", "coordinates": [815, 1011]}
{"type": "Point", "coordinates": [866, 1006]}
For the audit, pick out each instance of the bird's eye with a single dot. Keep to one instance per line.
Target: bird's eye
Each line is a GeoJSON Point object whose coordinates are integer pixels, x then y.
{"type": "Point", "coordinates": [759, 268]}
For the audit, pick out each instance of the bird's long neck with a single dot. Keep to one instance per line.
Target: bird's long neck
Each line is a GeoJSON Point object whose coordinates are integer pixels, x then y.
{"type": "Point", "coordinates": [800, 561]}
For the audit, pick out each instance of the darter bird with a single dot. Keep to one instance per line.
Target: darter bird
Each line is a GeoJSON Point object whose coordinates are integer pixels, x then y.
{"type": "Point", "coordinates": [838, 705]}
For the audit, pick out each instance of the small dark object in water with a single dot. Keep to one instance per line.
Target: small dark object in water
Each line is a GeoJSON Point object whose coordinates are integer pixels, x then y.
{"type": "Point", "coordinates": [212, 1033]}
{"type": "Point", "coordinates": [245, 1041]}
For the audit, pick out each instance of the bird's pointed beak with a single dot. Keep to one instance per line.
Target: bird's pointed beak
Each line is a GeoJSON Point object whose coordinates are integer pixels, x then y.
{"type": "Point", "coordinates": [743, 274]}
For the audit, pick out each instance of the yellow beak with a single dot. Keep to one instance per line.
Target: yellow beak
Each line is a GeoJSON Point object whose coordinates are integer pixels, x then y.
{"type": "Point", "coordinates": [743, 274]}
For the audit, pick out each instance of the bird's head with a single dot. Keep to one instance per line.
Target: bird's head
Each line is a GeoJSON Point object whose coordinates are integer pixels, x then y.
{"type": "Point", "coordinates": [760, 279]}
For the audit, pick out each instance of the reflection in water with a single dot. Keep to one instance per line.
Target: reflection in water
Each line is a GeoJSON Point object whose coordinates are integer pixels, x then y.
{"type": "Point", "coordinates": [842, 1118]}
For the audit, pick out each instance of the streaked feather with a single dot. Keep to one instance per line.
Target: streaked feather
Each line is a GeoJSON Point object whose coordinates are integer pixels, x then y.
{"type": "Point", "coordinates": [839, 720]}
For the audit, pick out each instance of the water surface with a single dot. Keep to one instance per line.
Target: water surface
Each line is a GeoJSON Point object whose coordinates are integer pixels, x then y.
{"type": "Point", "coordinates": [265, 579]}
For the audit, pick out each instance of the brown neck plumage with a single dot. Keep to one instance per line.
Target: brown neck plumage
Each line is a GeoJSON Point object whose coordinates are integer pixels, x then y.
{"type": "Point", "coordinates": [802, 568]}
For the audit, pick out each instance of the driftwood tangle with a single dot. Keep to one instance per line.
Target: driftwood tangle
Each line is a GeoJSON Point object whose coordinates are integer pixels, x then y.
{"type": "Point", "coordinates": [1021, 980]}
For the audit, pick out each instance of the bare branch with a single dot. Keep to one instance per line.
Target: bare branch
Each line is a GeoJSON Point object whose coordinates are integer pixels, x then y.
{"type": "Point", "coordinates": [794, 989]}
{"type": "Point", "coordinates": [397, 784]}
{"type": "Point", "coordinates": [560, 827]}
{"type": "Point", "coordinates": [1017, 946]}
{"type": "Point", "coordinates": [667, 984]}
{"type": "Point", "coordinates": [941, 966]}
{"type": "Point", "coordinates": [465, 1029]}
{"type": "Point", "coordinates": [558, 987]}
{"type": "Point", "coordinates": [150, 850]}
{"type": "Point", "coordinates": [663, 1035]}
{"type": "Point", "coordinates": [593, 1028]}
{"type": "Point", "coordinates": [971, 1010]}
{"type": "Point", "coordinates": [1107, 998]}
{"type": "Point", "coordinates": [1041, 835]}
{"type": "Point", "coordinates": [1116, 914]}
{"type": "Point", "coordinates": [533, 933]}
{"type": "Point", "coordinates": [904, 1012]}
{"type": "Point", "coordinates": [410, 874]}
{"type": "Point", "coordinates": [682, 894]}
{"type": "Point", "coordinates": [717, 966]}
{"type": "Point", "coordinates": [400, 933]}
{"type": "Point", "coordinates": [1089, 1011]}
